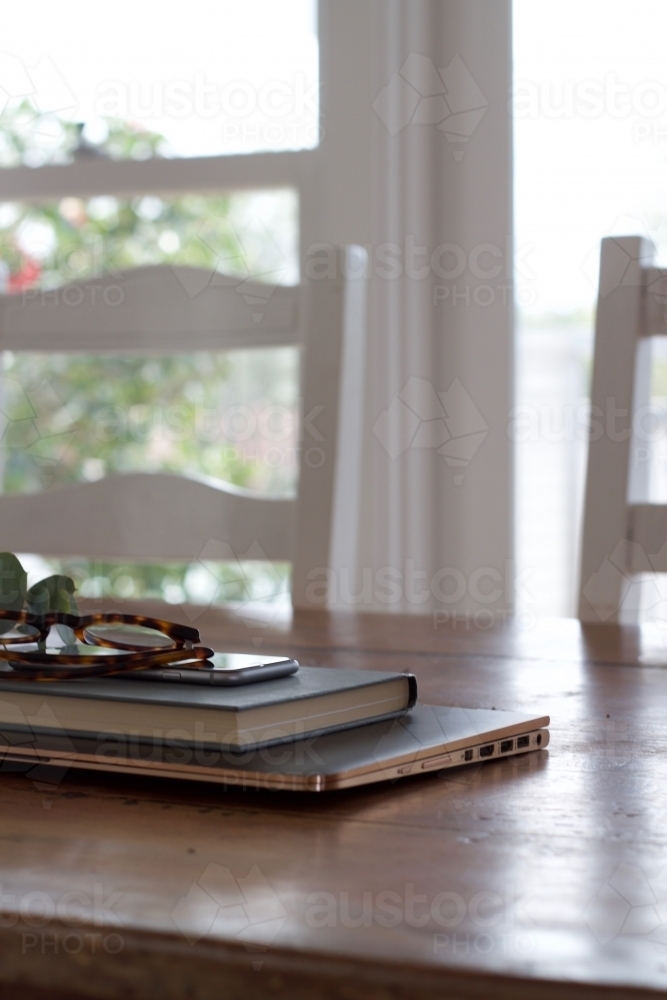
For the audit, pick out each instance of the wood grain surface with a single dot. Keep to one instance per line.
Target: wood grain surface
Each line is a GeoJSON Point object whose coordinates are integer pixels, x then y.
{"type": "Point", "coordinates": [541, 876]}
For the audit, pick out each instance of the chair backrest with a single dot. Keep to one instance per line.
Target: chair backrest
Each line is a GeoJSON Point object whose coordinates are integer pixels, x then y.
{"type": "Point", "coordinates": [623, 535]}
{"type": "Point", "coordinates": [150, 517]}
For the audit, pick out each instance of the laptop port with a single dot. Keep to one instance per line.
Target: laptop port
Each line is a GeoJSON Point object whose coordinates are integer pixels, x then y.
{"type": "Point", "coordinates": [486, 751]}
{"type": "Point", "coordinates": [523, 741]}
{"type": "Point", "coordinates": [538, 739]}
{"type": "Point", "coordinates": [467, 755]}
{"type": "Point", "coordinates": [506, 746]}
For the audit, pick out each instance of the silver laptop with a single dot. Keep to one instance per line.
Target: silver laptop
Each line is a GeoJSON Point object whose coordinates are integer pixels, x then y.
{"type": "Point", "coordinates": [430, 738]}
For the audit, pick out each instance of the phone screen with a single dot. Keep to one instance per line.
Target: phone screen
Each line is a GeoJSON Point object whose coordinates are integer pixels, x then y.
{"type": "Point", "coordinates": [241, 661]}
{"type": "Point", "coordinates": [223, 668]}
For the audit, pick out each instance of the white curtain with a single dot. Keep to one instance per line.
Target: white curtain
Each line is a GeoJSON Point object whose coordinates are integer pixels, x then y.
{"type": "Point", "coordinates": [416, 165]}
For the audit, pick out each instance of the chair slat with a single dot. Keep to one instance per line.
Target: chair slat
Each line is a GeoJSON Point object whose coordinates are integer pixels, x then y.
{"type": "Point", "coordinates": [152, 308]}
{"type": "Point", "coordinates": [157, 517]}
{"type": "Point", "coordinates": [148, 516]}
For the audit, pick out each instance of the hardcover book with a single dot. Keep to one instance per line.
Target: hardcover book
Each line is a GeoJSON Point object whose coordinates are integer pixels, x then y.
{"type": "Point", "coordinates": [314, 701]}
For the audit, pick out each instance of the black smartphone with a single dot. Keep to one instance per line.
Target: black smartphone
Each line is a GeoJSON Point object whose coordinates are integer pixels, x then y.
{"type": "Point", "coordinates": [223, 668]}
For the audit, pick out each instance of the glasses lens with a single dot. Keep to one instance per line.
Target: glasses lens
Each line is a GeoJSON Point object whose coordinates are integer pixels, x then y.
{"type": "Point", "coordinates": [128, 636]}
{"type": "Point", "coordinates": [11, 632]}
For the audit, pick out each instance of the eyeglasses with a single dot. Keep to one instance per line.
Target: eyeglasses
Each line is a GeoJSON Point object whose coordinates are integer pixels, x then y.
{"type": "Point", "coordinates": [103, 644]}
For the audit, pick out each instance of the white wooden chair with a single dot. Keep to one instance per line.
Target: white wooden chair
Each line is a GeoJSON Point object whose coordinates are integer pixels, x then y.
{"type": "Point", "coordinates": [152, 517]}
{"type": "Point", "coordinates": [623, 535]}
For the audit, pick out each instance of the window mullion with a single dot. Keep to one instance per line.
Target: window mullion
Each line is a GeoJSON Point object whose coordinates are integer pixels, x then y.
{"type": "Point", "coordinates": [126, 177]}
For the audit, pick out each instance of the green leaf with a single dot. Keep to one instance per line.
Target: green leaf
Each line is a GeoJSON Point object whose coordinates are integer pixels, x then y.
{"type": "Point", "coordinates": [55, 593]}
{"type": "Point", "coordinates": [13, 582]}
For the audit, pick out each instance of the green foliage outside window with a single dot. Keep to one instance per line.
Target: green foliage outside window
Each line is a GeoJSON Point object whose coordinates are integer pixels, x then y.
{"type": "Point", "coordinates": [30, 137]}
{"type": "Point", "coordinates": [68, 418]}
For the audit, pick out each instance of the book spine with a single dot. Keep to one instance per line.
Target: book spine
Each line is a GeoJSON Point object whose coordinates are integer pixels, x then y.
{"type": "Point", "coordinates": [412, 682]}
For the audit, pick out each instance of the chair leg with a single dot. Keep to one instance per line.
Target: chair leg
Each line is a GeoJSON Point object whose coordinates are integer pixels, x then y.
{"type": "Point", "coordinates": [620, 384]}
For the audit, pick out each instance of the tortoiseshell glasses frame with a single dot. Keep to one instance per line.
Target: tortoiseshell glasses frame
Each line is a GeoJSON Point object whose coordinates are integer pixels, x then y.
{"type": "Point", "coordinates": [135, 650]}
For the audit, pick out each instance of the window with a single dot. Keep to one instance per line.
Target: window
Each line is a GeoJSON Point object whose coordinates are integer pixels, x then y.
{"type": "Point", "coordinates": [590, 118]}
{"type": "Point", "coordinates": [183, 90]}
{"type": "Point", "coordinates": [158, 78]}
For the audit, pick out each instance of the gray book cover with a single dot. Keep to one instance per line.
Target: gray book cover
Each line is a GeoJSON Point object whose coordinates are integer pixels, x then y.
{"type": "Point", "coordinates": [308, 682]}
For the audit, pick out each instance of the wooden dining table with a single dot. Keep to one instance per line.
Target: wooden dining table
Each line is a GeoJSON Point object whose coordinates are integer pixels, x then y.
{"type": "Point", "coordinates": [541, 876]}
